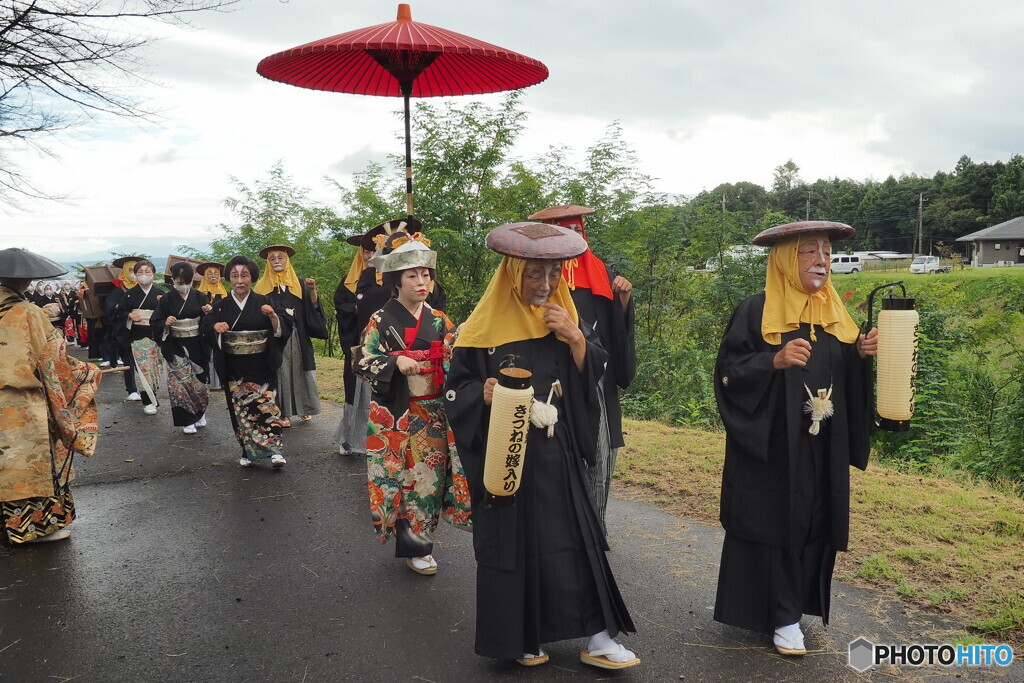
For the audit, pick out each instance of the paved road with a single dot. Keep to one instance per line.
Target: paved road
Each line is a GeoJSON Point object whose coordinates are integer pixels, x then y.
{"type": "Point", "coordinates": [184, 567]}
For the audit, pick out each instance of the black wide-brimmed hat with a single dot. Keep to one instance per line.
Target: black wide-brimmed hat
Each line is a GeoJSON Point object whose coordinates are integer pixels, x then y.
{"type": "Point", "coordinates": [21, 264]}
{"type": "Point", "coordinates": [409, 225]}
{"type": "Point", "coordinates": [121, 260]}
{"type": "Point", "coordinates": [536, 241]}
{"type": "Point", "coordinates": [835, 231]}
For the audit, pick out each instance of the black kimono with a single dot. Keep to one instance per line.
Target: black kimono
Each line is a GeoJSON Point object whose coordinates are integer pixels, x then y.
{"type": "Point", "coordinates": [348, 333]}
{"type": "Point", "coordinates": [785, 493]}
{"type": "Point", "coordinates": [296, 379]}
{"type": "Point", "coordinates": [617, 331]}
{"type": "Point", "coordinates": [542, 574]}
{"type": "Point", "coordinates": [250, 380]}
{"type": "Point", "coordinates": [145, 357]}
{"type": "Point", "coordinates": [187, 374]}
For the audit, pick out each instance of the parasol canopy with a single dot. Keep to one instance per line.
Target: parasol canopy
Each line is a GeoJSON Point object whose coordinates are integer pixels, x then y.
{"type": "Point", "coordinates": [404, 59]}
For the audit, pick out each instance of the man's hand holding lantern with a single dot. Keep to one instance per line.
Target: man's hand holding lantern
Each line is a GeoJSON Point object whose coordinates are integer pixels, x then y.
{"type": "Point", "coordinates": [867, 344]}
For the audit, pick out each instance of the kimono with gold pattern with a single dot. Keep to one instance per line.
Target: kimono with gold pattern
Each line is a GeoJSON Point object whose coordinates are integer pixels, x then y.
{"type": "Point", "coordinates": [47, 414]}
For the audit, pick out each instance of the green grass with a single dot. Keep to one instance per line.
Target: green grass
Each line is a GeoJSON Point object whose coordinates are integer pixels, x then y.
{"type": "Point", "coordinates": [939, 543]}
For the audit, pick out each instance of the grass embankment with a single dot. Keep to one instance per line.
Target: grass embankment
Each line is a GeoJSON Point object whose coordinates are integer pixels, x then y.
{"type": "Point", "coordinates": [937, 543]}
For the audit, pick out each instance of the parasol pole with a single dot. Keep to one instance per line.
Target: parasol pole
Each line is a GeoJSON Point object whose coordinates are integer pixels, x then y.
{"type": "Point", "coordinates": [406, 92]}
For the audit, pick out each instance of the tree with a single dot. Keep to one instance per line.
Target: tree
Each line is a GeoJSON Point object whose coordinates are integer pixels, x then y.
{"type": "Point", "coordinates": [62, 61]}
{"type": "Point", "coordinates": [1008, 192]}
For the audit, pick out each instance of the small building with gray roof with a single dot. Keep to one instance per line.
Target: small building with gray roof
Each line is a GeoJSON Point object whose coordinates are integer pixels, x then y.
{"type": "Point", "coordinates": [998, 245]}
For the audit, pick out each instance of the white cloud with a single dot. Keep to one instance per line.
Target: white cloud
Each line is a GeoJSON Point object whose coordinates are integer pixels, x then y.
{"type": "Point", "coordinates": [705, 92]}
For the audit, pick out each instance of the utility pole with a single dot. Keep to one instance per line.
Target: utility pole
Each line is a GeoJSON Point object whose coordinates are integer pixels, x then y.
{"type": "Point", "coordinates": [920, 223]}
{"type": "Point", "coordinates": [723, 202]}
{"type": "Point", "coordinates": [807, 211]}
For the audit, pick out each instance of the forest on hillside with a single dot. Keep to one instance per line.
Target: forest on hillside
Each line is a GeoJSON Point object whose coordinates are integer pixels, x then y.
{"type": "Point", "coordinates": [971, 402]}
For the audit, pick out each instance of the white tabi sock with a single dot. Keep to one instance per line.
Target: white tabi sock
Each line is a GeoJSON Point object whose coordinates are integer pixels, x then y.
{"type": "Point", "coordinates": [603, 642]}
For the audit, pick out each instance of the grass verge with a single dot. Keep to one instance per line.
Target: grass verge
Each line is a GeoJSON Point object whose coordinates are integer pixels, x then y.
{"type": "Point", "coordinates": [951, 546]}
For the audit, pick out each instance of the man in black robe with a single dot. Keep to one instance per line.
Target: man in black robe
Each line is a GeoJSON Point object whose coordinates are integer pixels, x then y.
{"type": "Point", "coordinates": [542, 573]}
{"type": "Point", "coordinates": [605, 301]}
{"type": "Point", "coordinates": [786, 484]}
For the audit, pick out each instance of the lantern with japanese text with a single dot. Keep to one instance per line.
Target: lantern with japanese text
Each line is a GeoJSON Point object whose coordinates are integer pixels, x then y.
{"type": "Point", "coordinates": [507, 430]}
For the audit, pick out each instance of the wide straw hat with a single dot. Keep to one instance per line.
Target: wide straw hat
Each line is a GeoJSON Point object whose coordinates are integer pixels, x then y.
{"type": "Point", "coordinates": [536, 241]}
{"type": "Point", "coordinates": [553, 213]}
{"type": "Point", "coordinates": [288, 249]}
{"type": "Point", "coordinates": [835, 231]}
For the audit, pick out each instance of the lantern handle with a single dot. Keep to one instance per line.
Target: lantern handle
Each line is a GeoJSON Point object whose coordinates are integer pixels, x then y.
{"type": "Point", "coordinates": [871, 301]}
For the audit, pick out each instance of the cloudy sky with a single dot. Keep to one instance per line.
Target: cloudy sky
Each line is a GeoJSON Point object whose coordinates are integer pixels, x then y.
{"type": "Point", "coordinates": [706, 92]}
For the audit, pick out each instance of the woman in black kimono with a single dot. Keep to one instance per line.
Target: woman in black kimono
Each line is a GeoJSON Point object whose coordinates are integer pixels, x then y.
{"type": "Point", "coordinates": [134, 313]}
{"type": "Point", "coordinates": [175, 324]}
{"type": "Point", "coordinates": [296, 377]}
{"type": "Point", "coordinates": [247, 334]}
{"type": "Point", "coordinates": [542, 574]}
{"type": "Point", "coordinates": [786, 483]}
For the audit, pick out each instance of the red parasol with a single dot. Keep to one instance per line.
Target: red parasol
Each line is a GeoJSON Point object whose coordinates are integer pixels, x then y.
{"type": "Point", "coordinates": [403, 58]}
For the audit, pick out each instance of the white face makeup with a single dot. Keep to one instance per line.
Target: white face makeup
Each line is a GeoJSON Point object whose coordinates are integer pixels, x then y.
{"type": "Point", "coordinates": [414, 286]}
{"type": "Point", "coordinates": [540, 278]}
{"type": "Point", "coordinates": [814, 258]}
{"type": "Point", "coordinates": [241, 281]}
{"type": "Point", "coordinates": [277, 260]}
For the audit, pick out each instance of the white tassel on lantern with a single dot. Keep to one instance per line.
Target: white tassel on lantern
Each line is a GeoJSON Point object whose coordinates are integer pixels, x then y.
{"type": "Point", "coordinates": [898, 329]}
{"type": "Point", "coordinates": [507, 430]}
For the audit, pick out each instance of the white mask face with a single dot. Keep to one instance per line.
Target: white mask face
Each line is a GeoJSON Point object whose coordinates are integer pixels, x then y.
{"type": "Point", "coordinates": [131, 276]}
{"type": "Point", "coordinates": [144, 280]}
{"type": "Point", "coordinates": [182, 289]}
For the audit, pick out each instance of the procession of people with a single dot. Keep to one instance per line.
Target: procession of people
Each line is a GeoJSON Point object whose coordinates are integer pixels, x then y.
{"type": "Point", "coordinates": [420, 390]}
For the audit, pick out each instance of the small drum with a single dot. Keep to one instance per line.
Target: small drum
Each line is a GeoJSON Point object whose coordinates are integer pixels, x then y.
{"type": "Point", "coordinates": [245, 342]}
{"type": "Point", "coordinates": [185, 327]}
{"type": "Point", "coordinates": [52, 312]}
{"type": "Point", "coordinates": [146, 314]}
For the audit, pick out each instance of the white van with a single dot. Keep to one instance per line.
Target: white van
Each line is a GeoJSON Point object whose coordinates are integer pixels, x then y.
{"type": "Point", "coordinates": [846, 263]}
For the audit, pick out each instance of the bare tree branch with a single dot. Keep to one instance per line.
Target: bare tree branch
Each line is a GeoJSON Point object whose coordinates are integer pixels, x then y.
{"type": "Point", "coordinates": [64, 61]}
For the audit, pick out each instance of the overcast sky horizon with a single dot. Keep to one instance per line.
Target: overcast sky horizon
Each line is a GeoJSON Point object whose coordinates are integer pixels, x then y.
{"type": "Point", "coordinates": [705, 93]}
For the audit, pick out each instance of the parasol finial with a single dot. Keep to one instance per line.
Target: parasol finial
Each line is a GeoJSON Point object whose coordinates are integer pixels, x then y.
{"type": "Point", "coordinates": [404, 12]}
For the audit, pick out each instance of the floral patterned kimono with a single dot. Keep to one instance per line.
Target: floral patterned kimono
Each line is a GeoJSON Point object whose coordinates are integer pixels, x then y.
{"type": "Point", "coordinates": [47, 414]}
{"type": "Point", "coordinates": [413, 470]}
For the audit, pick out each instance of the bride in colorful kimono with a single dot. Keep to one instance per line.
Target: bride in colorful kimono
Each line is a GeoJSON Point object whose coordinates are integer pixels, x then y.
{"type": "Point", "coordinates": [175, 324]}
{"type": "Point", "coordinates": [414, 473]}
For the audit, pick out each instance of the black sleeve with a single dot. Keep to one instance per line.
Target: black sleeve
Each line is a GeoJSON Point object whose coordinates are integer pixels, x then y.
{"type": "Point", "coordinates": [746, 382]}
{"type": "Point", "coordinates": [313, 315]}
{"type": "Point", "coordinates": [623, 335]}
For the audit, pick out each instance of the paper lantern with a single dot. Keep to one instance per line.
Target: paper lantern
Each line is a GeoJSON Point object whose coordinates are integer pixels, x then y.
{"type": "Point", "coordinates": [898, 337]}
{"type": "Point", "coordinates": [896, 369]}
{"type": "Point", "coordinates": [507, 431]}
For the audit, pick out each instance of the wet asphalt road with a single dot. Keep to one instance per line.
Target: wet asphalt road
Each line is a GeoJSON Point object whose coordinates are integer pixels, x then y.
{"type": "Point", "coordinates": [184, 567]}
